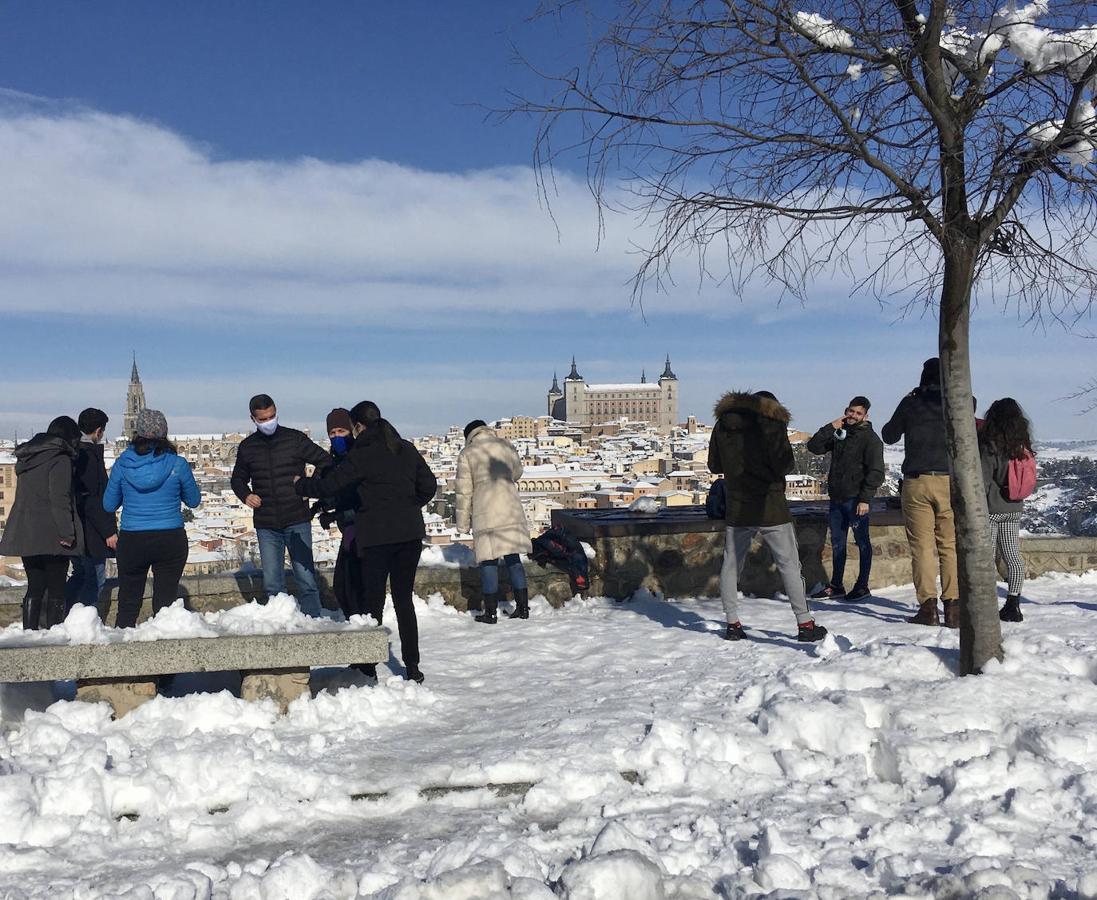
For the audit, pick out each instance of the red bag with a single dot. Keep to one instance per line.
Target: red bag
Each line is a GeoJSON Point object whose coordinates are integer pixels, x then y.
{"type": "Point", "coordinates": [1022, 477]}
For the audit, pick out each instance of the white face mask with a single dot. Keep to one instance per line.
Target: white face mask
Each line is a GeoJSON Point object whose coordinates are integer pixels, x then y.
{"type": "Point", "coordinates": [268, 426]}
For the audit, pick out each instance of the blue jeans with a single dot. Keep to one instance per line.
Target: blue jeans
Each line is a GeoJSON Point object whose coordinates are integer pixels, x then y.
{"type": "Point", "coordinates": [86, 582]}
{"type": "Point", "coordinates": [489, 573]}
{"type": "Point", "coordinates": [843, 517]}
{"type": "Point", "coordinates": [297, 539]}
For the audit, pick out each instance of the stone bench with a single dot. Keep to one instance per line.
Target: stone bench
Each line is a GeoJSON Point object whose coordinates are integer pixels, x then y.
{"type": "Point", "coordinates": [124, 674]}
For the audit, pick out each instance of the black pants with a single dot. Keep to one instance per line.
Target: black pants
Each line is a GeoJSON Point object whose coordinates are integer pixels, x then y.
{"type": "Point", "coordinates": [398, 562]}
{"type": "Point", "coordinates": [166, 552]}
{"type": "Point", "coordinates": [45, 579]}
{"type": "Point", "coordinates": [346, 582]}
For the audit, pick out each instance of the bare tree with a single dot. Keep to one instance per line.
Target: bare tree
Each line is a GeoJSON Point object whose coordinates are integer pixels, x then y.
{"type": "Point", "coordinates": [950, 145]}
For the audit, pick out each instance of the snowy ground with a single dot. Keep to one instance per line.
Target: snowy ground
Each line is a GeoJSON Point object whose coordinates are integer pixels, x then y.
{"type": "Point", "coordinates": [859, 767]}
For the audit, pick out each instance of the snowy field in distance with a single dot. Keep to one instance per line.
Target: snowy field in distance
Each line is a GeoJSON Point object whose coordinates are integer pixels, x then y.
{"type": "Point", "coordinates": [855, 768]}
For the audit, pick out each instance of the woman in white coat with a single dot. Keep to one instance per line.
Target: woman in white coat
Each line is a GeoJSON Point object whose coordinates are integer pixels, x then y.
{"type": "Point", "coordinates": [488, 470]}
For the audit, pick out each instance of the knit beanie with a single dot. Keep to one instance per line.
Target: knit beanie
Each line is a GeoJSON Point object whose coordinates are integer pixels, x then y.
{"type": "Point", "coordinates": [931, 373]}
{"type": "Point", "coordinates": [152, 424]}
{"type": "Point", "coordinates": [339, 418]}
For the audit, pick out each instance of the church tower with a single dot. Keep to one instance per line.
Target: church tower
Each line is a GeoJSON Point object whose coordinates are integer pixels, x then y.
{"type": "Point", "coordinates": [135, 402]}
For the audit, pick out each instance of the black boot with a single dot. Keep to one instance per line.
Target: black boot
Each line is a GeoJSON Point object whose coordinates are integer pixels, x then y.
{"type": "Point", "coordinates": [1011, 612]}
{"type": "Point", "coordinates": [55, 612]}
{"type": "Point", "coordinates": [32, 612]}
{"type": "Point", "coordinates": [491, 607]}
{"type": "Point", "coordinates": [521, 604]}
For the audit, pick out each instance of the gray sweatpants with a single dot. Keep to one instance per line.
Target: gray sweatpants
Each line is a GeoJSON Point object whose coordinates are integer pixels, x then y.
{"type": "Point", "coordinates": [781, 540]}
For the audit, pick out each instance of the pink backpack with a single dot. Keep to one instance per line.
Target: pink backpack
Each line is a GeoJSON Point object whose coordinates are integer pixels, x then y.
{"type": "Point", "coordinates": [1022, 477]}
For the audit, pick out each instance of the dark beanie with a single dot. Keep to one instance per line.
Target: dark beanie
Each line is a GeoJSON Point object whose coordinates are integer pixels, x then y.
{"type": "Point", "coordinates": [339, 418]}
{"type": "Point", "coordinates": [931, 372]}
{"type": "Point", "coordinates": [473, 425]}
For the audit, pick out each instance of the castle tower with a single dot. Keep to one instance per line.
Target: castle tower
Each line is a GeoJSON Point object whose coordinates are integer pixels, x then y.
{"type": "Point", "coordinates": [668, 387]}
{"type": "Point", "coordinates": [575, 400]}
{"type": "Point", "coordinates": [554, 395]}
{"type": "Point", "coordinates": [135, 402]}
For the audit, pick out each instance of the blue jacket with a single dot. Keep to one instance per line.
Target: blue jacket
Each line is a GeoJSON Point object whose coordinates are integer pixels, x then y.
{"type": "Point", "coordinates": [149, 488]}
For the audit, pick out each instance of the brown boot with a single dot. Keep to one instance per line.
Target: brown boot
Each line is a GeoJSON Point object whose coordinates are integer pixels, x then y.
{"type": "Point", "coordinates": [927, 613]}
{"type": "Point", "coordinates": [952, 613]}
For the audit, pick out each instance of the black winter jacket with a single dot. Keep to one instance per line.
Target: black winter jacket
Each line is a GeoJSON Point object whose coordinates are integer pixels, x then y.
{"type": "Point", "coordinates": [920, 418]}
{"type": "Point", "coordinates": [750, 447]}
{"type": "Point", "coordinates": [340, 508]}
{"type": "Point", "coordinates": [44, 512]}
{"type": "Point", "coordinates": [392, 489]}
{"type": "Point", "coordinates": [856, 463]}
{"type": "Point", "coordinates": [266, 465]}
{"type": "Point", "coordinates": [89, 482]}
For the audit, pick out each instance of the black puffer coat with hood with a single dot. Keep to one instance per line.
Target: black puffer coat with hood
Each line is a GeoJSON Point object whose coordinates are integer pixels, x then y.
{"type": "Point", "coordinates": [750, 448]}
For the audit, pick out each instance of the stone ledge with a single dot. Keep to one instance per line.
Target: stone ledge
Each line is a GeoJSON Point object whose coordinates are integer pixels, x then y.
{"type": "Point", "coordinates": [169, 656]}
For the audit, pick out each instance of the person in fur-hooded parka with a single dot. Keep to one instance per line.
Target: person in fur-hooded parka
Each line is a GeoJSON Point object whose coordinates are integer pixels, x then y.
{"type": "Point", "coordinates": [750, 448]}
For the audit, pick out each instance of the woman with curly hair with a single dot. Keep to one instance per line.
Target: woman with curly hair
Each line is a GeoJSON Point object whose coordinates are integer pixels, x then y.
{"type": "Point", "coordinates": [1005, 436]}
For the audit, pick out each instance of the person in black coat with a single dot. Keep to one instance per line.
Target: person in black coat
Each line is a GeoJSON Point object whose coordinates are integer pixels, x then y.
{"type": "Point", "coordinates": [346, 582]}
{"type": "Point", "coordinates": [394, 483]}
{"type": "Point", "coordinates": [89, 572]}
{"type": "Point", "coordinates": [43, 527]}
{"type": "Point", "coordinates": [919, 421]}
{"type": "Point", "coordinates": [856, 471]}
{"type": "Point", "coordinates": [267, 463]}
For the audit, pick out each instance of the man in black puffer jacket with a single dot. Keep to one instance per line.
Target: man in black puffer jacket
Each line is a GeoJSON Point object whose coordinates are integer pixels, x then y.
{"type": "Point", "coordinates": [856, 471]}
{"type": "Point", "coordinates": [927, 496]}
{"type": "Point", "coordinates": [750, 448]}
{"type": "Point", "coordinates": [266, 464]}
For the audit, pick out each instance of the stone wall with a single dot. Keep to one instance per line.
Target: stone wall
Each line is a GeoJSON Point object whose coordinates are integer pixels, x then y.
{"type": "Point", "coordinates": [676, 553]}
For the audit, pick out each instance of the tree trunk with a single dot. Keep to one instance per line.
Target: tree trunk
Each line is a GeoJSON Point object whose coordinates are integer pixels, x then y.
{"type": "Point", "coordinates": [980, 629]}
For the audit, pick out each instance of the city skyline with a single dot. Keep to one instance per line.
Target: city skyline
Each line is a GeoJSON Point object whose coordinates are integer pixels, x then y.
{"type": "Point", "coordinates": [294, 204]}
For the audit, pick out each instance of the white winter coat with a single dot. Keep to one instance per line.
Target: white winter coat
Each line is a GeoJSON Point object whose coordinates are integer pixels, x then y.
{"type": "Point", "coordinates": [488, 470]}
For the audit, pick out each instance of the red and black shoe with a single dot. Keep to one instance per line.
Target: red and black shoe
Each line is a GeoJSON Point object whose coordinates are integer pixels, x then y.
{"type": "Point", "coordinates": [809, 631]}
{"type": "Point", "coordinates": [735, 632]}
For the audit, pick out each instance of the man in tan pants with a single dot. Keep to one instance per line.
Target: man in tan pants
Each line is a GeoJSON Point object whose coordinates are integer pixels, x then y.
{"type": "Point", "coordinates": [927, 502]}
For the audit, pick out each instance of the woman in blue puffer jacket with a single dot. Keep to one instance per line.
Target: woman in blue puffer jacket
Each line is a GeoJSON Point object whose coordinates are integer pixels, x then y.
{"type": "Point", "coordinates": [148, 481]}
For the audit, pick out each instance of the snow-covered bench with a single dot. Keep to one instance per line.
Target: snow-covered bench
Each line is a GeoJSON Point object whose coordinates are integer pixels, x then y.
{"type": "Point", "coordinates": [272, 646]}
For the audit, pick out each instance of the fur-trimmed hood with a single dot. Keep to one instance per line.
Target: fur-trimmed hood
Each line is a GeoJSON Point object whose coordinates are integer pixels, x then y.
{"type": "Point", "coordinates": [747, 403]}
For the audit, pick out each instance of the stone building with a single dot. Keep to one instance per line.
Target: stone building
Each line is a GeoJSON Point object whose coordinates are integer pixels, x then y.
{"type": "Point", "coordinates": [7, 486]}
{"type": "Point", "coordinates": [135, 402]}
{"type": "Point", "coordinates": [208, 449]}
{"type": "Point", "coordinates": [589, 404]}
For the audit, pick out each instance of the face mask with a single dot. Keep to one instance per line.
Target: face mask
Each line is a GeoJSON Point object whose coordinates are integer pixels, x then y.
{"type": "Point", "coordinates": [268, 426]}
{"type": "Point", "coordinates": [340, 444]}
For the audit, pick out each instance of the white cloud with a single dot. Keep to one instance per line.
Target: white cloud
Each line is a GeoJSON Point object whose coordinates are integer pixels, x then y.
{"type": "Point", "coordinates": [110, 215]}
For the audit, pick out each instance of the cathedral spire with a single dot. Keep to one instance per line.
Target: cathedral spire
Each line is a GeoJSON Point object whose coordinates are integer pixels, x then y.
{"type": "Point", "coordinates": [134, 377]}
{"type": "Point", "coordinates": [555, 389]}
{"type": "Point", "coordinates": [643, 376]}
{"type": "Point", "coordinates": [573, 375]}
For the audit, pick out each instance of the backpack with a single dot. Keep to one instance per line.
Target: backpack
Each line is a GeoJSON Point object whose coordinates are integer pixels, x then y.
{"type": "Point", "coordinates": [558, 548]}
{"type": "Point", "coordinates": [716, 503]}
{"type": "Point", "coordinates": [1021, 481]}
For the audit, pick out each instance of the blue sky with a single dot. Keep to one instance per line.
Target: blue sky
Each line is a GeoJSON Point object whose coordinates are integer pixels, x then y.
{"type": "Point", "coordinates": [307, 199]}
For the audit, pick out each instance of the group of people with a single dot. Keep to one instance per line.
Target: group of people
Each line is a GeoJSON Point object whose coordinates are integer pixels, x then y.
{"type": "Point", "coordinates": [373, 485]}
{"type": "Point", "coordinates": [751, 449]}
